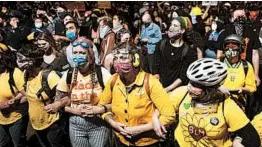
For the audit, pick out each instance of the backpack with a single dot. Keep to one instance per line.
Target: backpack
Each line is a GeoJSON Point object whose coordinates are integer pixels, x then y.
{"type": "Point", "coordinates": [70, 76]}
{"type": "Point", "coordinates": [45, 86]}
{"type": "Point", "coordinates": [11, 81]}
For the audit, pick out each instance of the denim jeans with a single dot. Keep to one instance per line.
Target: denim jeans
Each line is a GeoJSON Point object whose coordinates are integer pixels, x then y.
{"type": "Point", "coordinates": [53, 135]}
{"type": "Point", "coordinates": [14, 134]}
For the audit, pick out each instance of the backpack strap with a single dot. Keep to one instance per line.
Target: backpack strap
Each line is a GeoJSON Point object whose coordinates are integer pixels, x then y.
{"type": "Point", "coordinates": [183, 99]}
{"type": "Point", "coordinates": [12, 81]}
{"type": "Point", "coordinates": [163, 45]}
{"type": "Point", "coordinates": [146, 81]}
{"type": "Point", "coordinates": [245, 66]}
{"type": "Point", "coordinates": [45, 87]}
{"type": "Point", "coordinates": [69, 76]}
{"type": "Point", "coordinates": [113, 82]}
{"type": "Point", "coordinates": [184, 51]}
{"type": "Point", "coordinates": [99, 76]}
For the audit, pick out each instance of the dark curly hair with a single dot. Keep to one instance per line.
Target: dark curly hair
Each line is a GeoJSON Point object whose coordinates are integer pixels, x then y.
{"type": "Point", "coordinates": [8, 59]}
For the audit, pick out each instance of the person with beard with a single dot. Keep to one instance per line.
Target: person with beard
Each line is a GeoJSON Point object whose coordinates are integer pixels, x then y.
{"type": "Point", "coordinates": [73, 32]}
{"type": "Point", "coordinates": [53, 58]}
{"type": "Point", "coordinates": [81, 96]}
{"type": "Point", "coordinates": [107, 36]}
{"type": "Point", "coordinates": [49, 127]}
{"type": "Point", "coordinates": [173, 55]}
{"type": "Point", "coordinates": [206, 116]}
{"type": "Point", "coordinates": [133, 95]}
{"type": "Point", "coordinates": [238, 79]}
{"type": "Point", "coordinates": [150, 35]}
{"type": "Point", "coordinates": [252, 43]}
{"type": "Point", "coordinates": [13, 109]}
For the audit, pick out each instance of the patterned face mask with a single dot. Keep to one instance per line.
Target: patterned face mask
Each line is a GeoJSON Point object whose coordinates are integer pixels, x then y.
{"type": "Point", "coordinates": [231, 54]}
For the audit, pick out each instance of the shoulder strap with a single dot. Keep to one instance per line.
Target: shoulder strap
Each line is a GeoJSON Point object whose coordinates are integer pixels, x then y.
{"type": "Point", "coordinates": [245, 66]}
{"type": "Point", "coordinates": [146, 81]}
{"type": "Point", "coordinates": [100, 76]}
{"type": "Point", "coordinates": [183, 98]}
{"type": "Point", "coordinates": [12, 81]}
{"type": "Point", "coordinates": [69, 76]}
{"type": "Point", "coordinates": [113, 82]}
{"type": "Point", "coordinates": [184, 51]}
{"type": "Point", "coordinates": [45, 86]}
{"type": "Point", "coordinates": [163, 45]}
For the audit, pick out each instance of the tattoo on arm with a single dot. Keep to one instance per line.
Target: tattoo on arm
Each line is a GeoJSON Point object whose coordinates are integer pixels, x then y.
{"type": "Point", "coordinates": [60, 94]}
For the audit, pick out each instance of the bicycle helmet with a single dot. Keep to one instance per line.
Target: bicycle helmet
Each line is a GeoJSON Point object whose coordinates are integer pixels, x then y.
{"type": "Point", "coordinates": [233, 38]}
{"type": "Point", "coordinates": [207, 72]}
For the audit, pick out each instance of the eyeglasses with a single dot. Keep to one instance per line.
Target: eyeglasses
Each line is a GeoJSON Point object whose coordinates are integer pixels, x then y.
{"type": "Point", "coordinates": [82, 44]}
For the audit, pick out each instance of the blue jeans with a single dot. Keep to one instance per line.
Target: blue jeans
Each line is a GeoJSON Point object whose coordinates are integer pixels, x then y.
{"type": "Point", "coordinates": [210, 54]}
{"type": "Point", "coordinates": [14, 134]}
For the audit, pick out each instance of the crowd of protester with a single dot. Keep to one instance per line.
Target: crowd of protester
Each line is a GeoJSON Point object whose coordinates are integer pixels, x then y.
{"type": "Point", "coordinates": [148, 74]}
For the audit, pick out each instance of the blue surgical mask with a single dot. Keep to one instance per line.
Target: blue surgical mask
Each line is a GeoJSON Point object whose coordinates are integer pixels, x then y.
{"type": "Point", "coordinates": [71, 35]}
{"type": "Point", "coordinates": [79, 60]}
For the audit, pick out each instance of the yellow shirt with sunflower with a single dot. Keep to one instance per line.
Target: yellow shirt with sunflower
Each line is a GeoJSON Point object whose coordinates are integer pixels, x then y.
{"type": "Point", "coordinates": [12, 114]}
{"type": "Point", "coordinates": [39, 118]}
{"type": "Point", "coordinates": [206, 126]}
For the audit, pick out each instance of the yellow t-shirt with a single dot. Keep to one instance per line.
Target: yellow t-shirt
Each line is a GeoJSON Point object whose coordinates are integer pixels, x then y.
{"type": "Point", "coordinates": [82, 90]}
{"type": "Point", "coordinates": [136, 108]}
{"type": "Point", "coordinates": [236, 77]}
{"type": "Point", "coordinates": [39, 118]}
{"type": "Point", "coordinates": [12, 114]}
{"type": "Point", "coordinates": [257, 123]}
{"type": "Point", "coordinates": [202, 129]}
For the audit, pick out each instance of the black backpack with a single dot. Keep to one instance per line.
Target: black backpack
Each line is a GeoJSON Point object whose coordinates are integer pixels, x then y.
{"type": "Point", "coordinates": [12, 81]}
{"type": "Point", "coordinates": [45, 86]}
{"type": "Point", "coordinates": [75, 71]}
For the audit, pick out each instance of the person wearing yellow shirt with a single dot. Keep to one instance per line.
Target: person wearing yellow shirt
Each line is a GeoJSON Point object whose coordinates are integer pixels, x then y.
{"type": "Point", "coordinates": [257, 123]}
{"type": "Point", "coordinates": [49, 127]}
{"type": "Point", "coordinates": [134, 95]}
{"type": "Point", "coordinates": [206, 117]}
{"type": "Point", "coordinates": [81, 96]}
{"type": "Point", "coordinates": [237, 79]}
{"type": "Point", "coordinates": [13, 113]}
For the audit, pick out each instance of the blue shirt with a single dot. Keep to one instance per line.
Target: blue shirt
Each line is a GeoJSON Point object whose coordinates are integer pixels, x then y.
{"type": "Point", "coordinates": [153, 34]}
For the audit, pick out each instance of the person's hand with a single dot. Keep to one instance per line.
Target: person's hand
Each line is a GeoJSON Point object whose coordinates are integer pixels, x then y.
{"type": "Point", "coordinates": [91, 110]}
{"type": "Point", "coordinates": [257, 80]}
{"type": "Point", "coordinates": [13, 102]}
{"type": "Point", "coordinates": [159, 129]}
{"type": "Point", "coordinates": [75, 10]}
{"type": "Point", "coordinates": [54, 107]}
{"type": "Point", "coordinates": [224, 90]}
{"type": "Point", "coordinates": [133, 131]}
{"type": "Point", "coordinates": [56, 37]}
{"type": "Point", "coordinates": [157, 76]}
{"type": "Point", "coordinates": [237, 143]}
{"type": "Point", "coordinates": [4, 105]}
{"type": "Point", "coordinates": [119, 127]}
{"type": "Point", "coordinates": [144, 40]}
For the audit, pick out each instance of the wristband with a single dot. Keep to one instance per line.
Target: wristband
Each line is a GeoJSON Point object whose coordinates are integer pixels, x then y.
{"type": "Point", "coordinates": [105, 108]}
{"type": "Point", "coordinates": [239, 138]}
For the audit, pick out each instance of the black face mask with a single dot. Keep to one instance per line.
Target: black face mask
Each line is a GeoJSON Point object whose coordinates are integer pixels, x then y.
{"type": "Point", "coordinates": [147, 24]}
{"type": "Point", "coordinates": [240, 20]}
{"type": "Point", "coordinates": [48, 51]}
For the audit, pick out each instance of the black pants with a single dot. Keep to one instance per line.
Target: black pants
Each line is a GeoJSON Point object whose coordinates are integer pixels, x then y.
{"type": "Point", "coordinates": [14, 135]}
{"type": "Point", "coordinates": [147, 62]}
{"type": "Point", "coordinates": [53, 135]}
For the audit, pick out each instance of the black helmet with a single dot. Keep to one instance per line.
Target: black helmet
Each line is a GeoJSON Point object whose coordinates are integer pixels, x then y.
{"type": "Point", "coordinates": [233, 38]}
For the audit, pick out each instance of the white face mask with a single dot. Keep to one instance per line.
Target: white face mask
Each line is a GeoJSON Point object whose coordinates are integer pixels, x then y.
{"type": "Point", "coordinates": [214, 26]}
{"type": "Point", "coordinates": [38, 25]}
{"type": "Point", "coordinates": [103, 31]}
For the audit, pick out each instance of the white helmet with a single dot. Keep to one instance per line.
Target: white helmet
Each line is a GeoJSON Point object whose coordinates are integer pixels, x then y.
{"type": "Point", "coordinates": [207, 72]}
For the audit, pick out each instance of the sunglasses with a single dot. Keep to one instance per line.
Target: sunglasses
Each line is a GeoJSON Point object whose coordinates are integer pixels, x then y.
{"type": "Point", "coordinates": [81, 43]}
